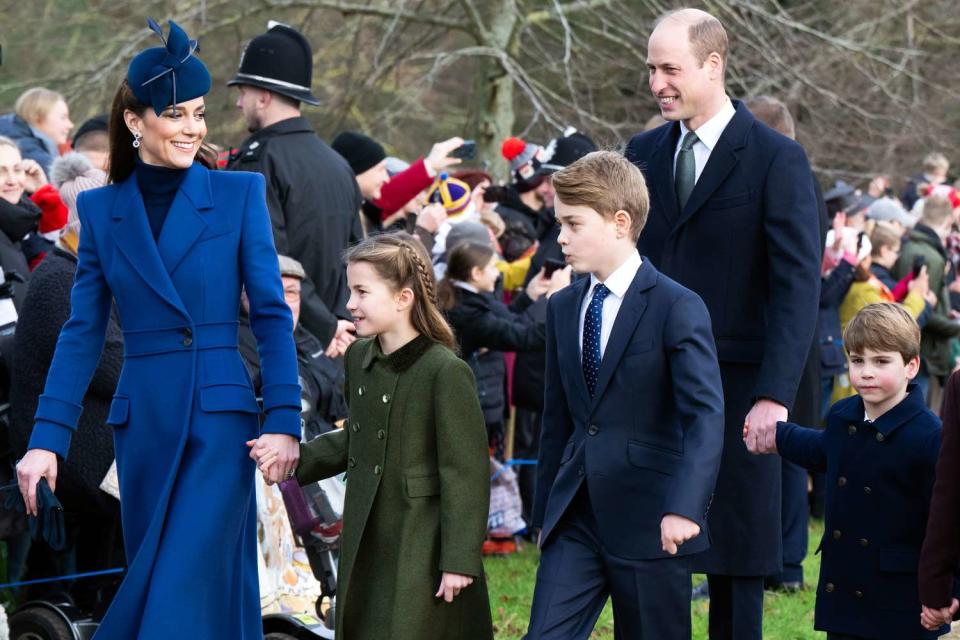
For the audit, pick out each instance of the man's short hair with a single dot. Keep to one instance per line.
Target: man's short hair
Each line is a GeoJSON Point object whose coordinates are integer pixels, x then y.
{"type": "Point", "coordinates": [606, 182]}
{"type": "Point", "coordinates": [774, 114]}
{"type": "Point", "coordinates": [884, 326]}
{"type": "Point", "coordinates": [706, 33]}
{"type": "Point", "coordinates": [935, 161]}
{"type": "Point", "coordinates": [936, 210]}
{"type": "Point", "coordinates": [883, 236]}
{"type": "Point", "coordinates": [95, 141]}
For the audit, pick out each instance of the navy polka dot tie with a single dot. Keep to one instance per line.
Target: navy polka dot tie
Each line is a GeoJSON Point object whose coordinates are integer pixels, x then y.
{"type": "Point", "coordinates": [592, 322]}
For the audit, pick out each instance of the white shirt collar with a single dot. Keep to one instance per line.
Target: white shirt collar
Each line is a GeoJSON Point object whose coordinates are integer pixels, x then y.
{"type": "Point", "coordinates": [465, 286]}
{"type": "Point", "coordinates": [619, 281]}
{"type": "Point", "coordinates": [710, 131]}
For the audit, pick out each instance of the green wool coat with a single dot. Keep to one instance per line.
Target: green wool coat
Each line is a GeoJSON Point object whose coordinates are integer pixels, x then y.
{"type": "Point", "coordinates": [418, 492]}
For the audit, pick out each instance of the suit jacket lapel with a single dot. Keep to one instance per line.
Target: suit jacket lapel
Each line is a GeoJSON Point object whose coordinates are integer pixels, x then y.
{"type": "Point", "coordinates": [631, 310]}
{"type": "Point", "coordinates": [723, 159]}
{"type": "Point", "coordinates": [569, 327]}
{"type": "Point", "coordinates": [661, 173]}
{"type": "Point", "coordinates": [135, 241]}
{"type": "Point", "coordinates": [184, 223]}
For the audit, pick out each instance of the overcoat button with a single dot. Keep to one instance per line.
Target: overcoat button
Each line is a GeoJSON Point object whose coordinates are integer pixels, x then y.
{"type": "Point", "coordinates": [880, 437]}
{"type": "Point", "coordinates": [377, 470]}
{"type": "Point", "coordinates": [356, 427]}
{"type": "Point", "coordinates": [837, 534]}
{"type": "Point", "coordinates": [841, 481]}
{"type": "Point", "coordinates": [864, 542]}
{"type": "Point", "coordinates": [187, 337]}
{"type": "Point", "coordinates": [360, 391]}
{"type": "Point", "coordinates": [592, 430]}
{"type": "Point", "coordinates": [385, 398]}
{"type": "Point", "coordinates": [852, 429]}
{"type": "Point", "coordinates": [381, 435]}
{"type": "Point", "coordinates": [580, 471]}
{"type": "Point", "coordinates": [867, 490]}
{"type": "Point", "coordinates": [858, 593]}
{"type": "Point", "coordinates": [829, 588]}
{"type": "Point", "coordinates": [352, 462]}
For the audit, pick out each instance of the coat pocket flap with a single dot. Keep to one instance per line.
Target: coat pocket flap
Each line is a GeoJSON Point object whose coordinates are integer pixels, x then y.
{"type": "Point", "coordinates": [423, 486]}
{"type": "Point", "coordinates": [228, 397]}
{"type": "Point", "coordinates": [894, 561]}
{"type": "Point", "coordinates": [119, 411]}
{"type": "Point", "coordinates": [647, 457]}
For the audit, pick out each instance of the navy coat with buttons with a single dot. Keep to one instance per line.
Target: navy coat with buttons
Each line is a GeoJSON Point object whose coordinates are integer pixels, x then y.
{"type": "Point", "coordinates": [879, 483]}
{"type": "Point", "coordinates": [648, 442]}
{"type": "Point", "coordinates": [184, 407]}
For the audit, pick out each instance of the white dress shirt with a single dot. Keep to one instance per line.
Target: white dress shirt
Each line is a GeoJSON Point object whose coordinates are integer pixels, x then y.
{"type": "Point", "coordinates": [708, 134]}
{"type": "Point", "coordinates": [617, 282]}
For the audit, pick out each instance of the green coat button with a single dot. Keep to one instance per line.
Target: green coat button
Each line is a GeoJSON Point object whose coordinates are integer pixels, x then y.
{"type": "Point", "coordinates": [386, 398]}
{"type": "Point", "coordinates": [356, 427]}
{"type": "Point", "coordinates": [360, 391]}
{"type": "Point", "coordinates": [381, 434]}
{"type": "Point", "coordinates": [377, 470]}
{"type": "Point", "coordinates": [352, 462]}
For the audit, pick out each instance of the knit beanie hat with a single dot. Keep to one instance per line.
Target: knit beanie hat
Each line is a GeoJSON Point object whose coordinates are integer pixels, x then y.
{"type": "Point", "coordinates": [360, 151]}
{"type": "Point", "coordinates": [524, 158]}
{"type": "Point", "coordinates": [70, 174]}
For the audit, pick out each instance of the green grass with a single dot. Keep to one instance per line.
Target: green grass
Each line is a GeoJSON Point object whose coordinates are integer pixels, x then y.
{"type": "Point", "coordinates": [511, 579]}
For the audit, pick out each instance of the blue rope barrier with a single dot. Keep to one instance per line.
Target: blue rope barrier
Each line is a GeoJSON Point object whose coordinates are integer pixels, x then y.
{"type": "Point", "coordinates": [105, 572]}
{"type": "Point", "coordinates": [512, 462]}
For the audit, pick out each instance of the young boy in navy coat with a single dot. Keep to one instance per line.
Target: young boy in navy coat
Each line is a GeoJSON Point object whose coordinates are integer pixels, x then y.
{"type": "Point", "coordinates": [879, 452]}
{"type": "Point", "coordinates": [632, 423]}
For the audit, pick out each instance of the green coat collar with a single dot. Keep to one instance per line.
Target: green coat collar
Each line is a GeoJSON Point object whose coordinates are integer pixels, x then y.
{"type": "Point", "coordinates": [401, 359]}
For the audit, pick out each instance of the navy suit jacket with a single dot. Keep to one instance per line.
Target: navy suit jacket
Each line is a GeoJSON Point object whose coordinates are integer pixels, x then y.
{"type": "Point", "coordinates": [746, 241]}
{"type": "Point", "coordinates": [648, 442]}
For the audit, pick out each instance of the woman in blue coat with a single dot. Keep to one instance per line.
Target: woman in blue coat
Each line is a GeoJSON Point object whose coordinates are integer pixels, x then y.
{"type": "Point", "coordinates": [172, 244]}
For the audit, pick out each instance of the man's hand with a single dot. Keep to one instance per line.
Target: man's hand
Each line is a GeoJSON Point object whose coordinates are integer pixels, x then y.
{"type": "Point", "coordinates": [343, 338]}
{"type": "Point", "coordinates": [277, 455]}
{"type": "Point", "coordinates": [559, 280]}
{"type": "Point", "coordinates": [921, 284]}
{"type": "Point", "coordinates": [761, 425]}
{"type": "Point", "coordinates": [538, 285]}
{"type": "Point", "coordinates": [933, 619]}
{"type": "Point", "coordinates": [451, 584]}
{"type": "Point", "coordinates": [431, 217]}
{"type": "Point", "coordinates": [675, 530]}
{"type": "Point", "coordinates": [439, 157]}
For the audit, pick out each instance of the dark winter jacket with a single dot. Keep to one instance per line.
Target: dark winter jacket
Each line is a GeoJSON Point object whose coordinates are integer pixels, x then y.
{"type": "Point", "coordinates": [45, 310]}
{"type": "Point", "coordinates": [32, 144]}
{"type": "Point", "coordinates": [314, 204]}
{"type": "Point", "coordinates": [17, 221]}
{"type": "Point", "coordinates": [485, 328]}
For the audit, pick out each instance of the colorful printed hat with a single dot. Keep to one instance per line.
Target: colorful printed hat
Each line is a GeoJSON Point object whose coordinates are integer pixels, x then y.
{"type": "Point", "coordinates": [453, 194]}
{"type": "Point", "coordinates": [168, 75]}
{"type": "Point", "coordinates": [524, 158]}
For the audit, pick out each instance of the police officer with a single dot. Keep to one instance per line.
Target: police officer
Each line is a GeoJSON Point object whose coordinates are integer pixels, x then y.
{"type": "Point", "coordinates": [312, 193]}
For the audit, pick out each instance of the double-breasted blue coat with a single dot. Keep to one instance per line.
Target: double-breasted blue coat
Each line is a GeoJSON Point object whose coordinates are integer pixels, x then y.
{"type": "Point", "coordinates": [184, 405]}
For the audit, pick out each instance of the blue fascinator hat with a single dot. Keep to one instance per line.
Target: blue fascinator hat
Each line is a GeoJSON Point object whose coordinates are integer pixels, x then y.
{"type": "Point", "coordinates": [168, 75]}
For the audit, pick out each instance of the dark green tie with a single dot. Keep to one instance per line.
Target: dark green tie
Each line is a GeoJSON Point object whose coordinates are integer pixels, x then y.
{"type": "Point", "coordinates": [686, 172]}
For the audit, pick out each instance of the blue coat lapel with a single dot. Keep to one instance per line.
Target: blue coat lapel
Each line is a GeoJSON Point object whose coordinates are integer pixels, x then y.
{"type": "Point", "coordinates": [631, 310]}
{"type": "Point", "coordinates": [723, 159]}
{"type": "Point", "coordinates": [133, 237]}
{"type": "Point", "coordinates": [184, 224]}
{"type": "Point", "coordinates": [568, 322]}
{"type": "Point", "coordinates": [661, 172]}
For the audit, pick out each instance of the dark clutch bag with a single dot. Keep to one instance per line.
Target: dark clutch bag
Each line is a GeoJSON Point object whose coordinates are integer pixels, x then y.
{"type": "Point", "coordinates": [302, 518]}
{"type": "Point", "coordinates": [48, 524]}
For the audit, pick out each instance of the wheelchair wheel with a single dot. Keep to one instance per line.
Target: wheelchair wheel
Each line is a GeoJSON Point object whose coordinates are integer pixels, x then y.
{"type": "Point", "coordinates": [37, 623]}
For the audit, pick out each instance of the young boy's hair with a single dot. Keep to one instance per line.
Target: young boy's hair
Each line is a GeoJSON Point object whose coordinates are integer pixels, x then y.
{"type": "Point", "coordinates": [606, 182]}
{"type": "Point", "coordinates": [883, 236]}
{"type": "Point", "coordinates": [884, 326]}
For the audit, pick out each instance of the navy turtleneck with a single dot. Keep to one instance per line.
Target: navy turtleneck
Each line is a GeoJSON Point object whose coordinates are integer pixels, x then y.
{"type": "Point", "coordinates": [158, 186]}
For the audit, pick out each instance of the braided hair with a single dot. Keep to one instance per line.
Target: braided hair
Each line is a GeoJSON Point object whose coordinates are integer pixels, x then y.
{"type": "Point", "coordinates": [401, 260]}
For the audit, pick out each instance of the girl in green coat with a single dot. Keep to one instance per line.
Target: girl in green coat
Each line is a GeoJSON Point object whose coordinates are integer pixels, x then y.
{"type": "Point", "coordinates": [415, 453]}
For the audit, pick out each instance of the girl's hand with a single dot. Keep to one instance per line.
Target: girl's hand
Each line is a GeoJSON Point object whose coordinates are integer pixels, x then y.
{"type": "Point", "coordinates": [277, 455]}
{"type": "Point", "coordinates": [451, 584]}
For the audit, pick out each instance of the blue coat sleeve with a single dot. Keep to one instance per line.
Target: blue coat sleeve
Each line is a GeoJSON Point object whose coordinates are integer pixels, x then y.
{"type": "Point", "coordinates": [698, 398]}
{"type": "Point", "coordinates": [802, 446]}
{"type": "Point", "coordinates": [557, 425]}
{"type": "Point", "coordinates": [270, 317]}
{"type": "Point", "coordinates": [78, 348]}
{"type": "Point", "coordinates": [792, 233]}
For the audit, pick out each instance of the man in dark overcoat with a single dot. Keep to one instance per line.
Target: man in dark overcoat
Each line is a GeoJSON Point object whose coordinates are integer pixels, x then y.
{"type": "Point", "coordinates": [312, 194]}
{"type": "Point", "coordinates": [733, 217]}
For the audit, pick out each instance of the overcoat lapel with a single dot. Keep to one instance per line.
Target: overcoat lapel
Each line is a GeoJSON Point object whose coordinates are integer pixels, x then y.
{"type": "Point", "coordinates": [723, 159]}
{"type": "Point", "coordinates": [184, 224]}
{"type": "Point", "coordinates": [631, 310]}
{"type": "Point", "coordinates": [661, 173]}
{"type": "Point", "coordinates": [133, 237]}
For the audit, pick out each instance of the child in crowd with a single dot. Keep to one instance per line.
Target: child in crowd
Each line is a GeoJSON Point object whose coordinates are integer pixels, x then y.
{"type": "Point", "coordinates": [632, 422]}
{"type": "Point", "coordinates": [485, 327]}
{"type": "Point", "coordinates": [414, 449]}
{"type": "Point", "coordinates": [879, 452]}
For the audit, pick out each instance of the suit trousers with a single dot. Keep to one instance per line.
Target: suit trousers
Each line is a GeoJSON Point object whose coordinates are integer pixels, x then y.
{"type": "Point", "coordinates": [736, 607]}
{"type": "Point", "coordinates": [651, 598]}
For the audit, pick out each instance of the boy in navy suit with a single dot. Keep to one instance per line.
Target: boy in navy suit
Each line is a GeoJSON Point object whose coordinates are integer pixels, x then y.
{"type": "Point", "coordinates": [632, 423]}
{"type": "Point", "coordinates": [879, 452]}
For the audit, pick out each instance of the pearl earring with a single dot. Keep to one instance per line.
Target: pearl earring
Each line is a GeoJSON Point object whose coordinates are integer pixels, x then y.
{"type": "Point", "coordinates": [136, 140]}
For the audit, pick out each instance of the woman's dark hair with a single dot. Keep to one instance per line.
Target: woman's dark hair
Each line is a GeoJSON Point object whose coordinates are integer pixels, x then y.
{"type": "Point", "coordinates": [472, 177]}
{"type": "Point", "coordinates": [123, 157]}
{"type": "Point", "coordinates": [460, 262]}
